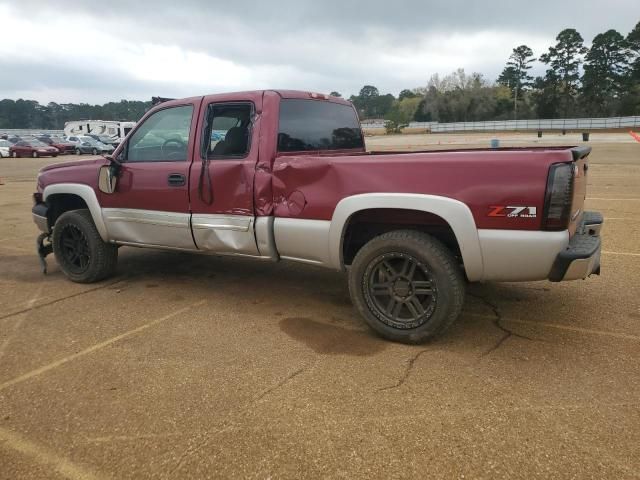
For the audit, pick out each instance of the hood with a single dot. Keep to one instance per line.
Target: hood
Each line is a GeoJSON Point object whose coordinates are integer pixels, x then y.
{"type": "Point", "coordinates": [55, 166]}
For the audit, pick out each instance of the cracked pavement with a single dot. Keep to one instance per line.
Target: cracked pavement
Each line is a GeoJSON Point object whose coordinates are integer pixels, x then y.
{"type": "Point", "coordinates": [209, 367]}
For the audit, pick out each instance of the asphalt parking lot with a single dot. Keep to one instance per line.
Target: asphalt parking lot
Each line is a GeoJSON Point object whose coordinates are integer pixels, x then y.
{"type": "Point", "coordinates": [211, 367]}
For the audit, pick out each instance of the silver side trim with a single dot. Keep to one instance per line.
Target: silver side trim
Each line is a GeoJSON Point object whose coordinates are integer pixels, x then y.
{"type": "Point", "coordinates": [520, 255]}
{"type": "Point", "coordinates": [456, 213]}
{"type": "Point", "coordinates": [265, 237]}
{"type": "Point", "coordinates": [303, 240]}
{"type": "Point", "coordinates": [225, 234]}
{"type": "Point", "coordinates": [238, 223]}
{"type": "Point", "coordinates": [148, 227]}
{"type": "Point", "coordinates": [88, 195]}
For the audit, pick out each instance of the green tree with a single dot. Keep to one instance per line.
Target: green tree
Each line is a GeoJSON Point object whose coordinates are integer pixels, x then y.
{"type": "Point", "coordinates": [565, 59]}
{"type": "Point", "coordinates": [605, 72]}
{"type": "Point", "coordinates": [406, 93]}
{"type": "Point", "coordinates": [335, 94]}
{"type": "Point", "coordinates": [515, 75]}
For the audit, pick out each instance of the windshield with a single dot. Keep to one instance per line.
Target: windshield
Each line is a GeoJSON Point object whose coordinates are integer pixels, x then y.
{"type": "Point", "coordinates": [4, 143]}
{"type": "Point", "coordinates": [36, 143]}
{"type": "Point", "coordinates": [90, 140]}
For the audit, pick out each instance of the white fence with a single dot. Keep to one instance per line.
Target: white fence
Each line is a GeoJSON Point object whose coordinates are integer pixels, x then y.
{"type": "Point", "coordinates": [585, 124]}
{"type": "Point", "coordinates": [21, 132]}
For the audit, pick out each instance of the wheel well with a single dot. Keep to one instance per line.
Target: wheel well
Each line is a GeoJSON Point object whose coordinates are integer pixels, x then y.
{"type": "Point", "coordinates": [58, 203]}
{"type": "Point", "coordinates": [364, 225]}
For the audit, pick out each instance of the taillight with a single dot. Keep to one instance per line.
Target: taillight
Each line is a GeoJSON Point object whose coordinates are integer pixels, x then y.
{"type": "Point", "coordinates": [559, 196]}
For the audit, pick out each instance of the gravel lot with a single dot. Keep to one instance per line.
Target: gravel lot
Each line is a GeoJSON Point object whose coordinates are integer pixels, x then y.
{"type": "Point", "coordinates": [202, 366]}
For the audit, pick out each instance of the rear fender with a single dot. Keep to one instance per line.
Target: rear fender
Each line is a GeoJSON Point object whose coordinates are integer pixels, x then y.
{"type": "Point", "coordinates": [454, 212]}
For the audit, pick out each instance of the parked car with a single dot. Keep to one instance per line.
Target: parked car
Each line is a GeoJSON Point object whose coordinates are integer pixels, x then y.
{"type": "Point", "coordinates": [14, 139]}
{"type": "Point", "coordinates": [61, 144]}
{"type": "Point", "coordinates": [296, 183]}
{"type": "Point", "coordinates": [84, 144]}
{"type": "Point", "coordinates": [32, 147]}
{"type": "Point", "coordinates": [4, 148]}
{"type": "Point", "coordinates": [106, 139]}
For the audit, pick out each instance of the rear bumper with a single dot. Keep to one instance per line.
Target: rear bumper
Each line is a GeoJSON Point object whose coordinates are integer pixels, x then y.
{"type": "Point", "coordinates": [581, 257]}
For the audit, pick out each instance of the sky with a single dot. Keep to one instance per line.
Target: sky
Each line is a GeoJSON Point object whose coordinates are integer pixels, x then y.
{"type": "Point", "coordinates": [99, 51]}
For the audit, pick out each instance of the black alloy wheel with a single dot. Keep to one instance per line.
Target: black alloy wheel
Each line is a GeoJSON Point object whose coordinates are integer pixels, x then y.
{"type": "Point", "coordinates": [75, 249]}
{"type": "Point", "coordinates": [400, 290]}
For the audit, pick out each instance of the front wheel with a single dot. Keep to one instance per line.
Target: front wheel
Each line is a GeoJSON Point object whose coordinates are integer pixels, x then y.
{"type": "Point", "coordinates": [407, 286]}
{"type": "Point", "coordinates": [78, 152]}
{"type": "Point", "coordinates": [79, 249]}
{"type": "Point", "coordinates": [14, 154]}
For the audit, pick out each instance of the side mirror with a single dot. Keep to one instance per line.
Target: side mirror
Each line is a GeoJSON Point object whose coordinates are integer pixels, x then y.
{"type": "Point", "coordinates": [107, 180]}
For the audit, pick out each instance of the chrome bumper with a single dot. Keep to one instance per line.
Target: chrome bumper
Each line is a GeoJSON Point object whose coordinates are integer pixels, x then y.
{"type": "Point", "coordinates": [581, 258]}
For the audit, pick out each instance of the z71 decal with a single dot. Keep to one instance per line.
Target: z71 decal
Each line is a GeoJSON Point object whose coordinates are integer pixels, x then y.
{"type": "Point", "coordinates": [512, 211]}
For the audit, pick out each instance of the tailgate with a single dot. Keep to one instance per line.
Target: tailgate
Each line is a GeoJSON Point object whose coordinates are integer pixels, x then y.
{"type": "Point", "coordinates": [581, 168]}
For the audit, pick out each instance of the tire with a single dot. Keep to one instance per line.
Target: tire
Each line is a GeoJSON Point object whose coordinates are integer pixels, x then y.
{"type": "Point", "coordinates": [14, 154]}
{"type": "Point", "coordinates": [407, 285]}
{"type": "Point", "coordinates": [94, 151]}
{"type": "Point", "coordinates": [79, 249]}
{"type": "Point", "coordinates": [34, 154]}
{"type": "Point", "coordinates": [78, 151]}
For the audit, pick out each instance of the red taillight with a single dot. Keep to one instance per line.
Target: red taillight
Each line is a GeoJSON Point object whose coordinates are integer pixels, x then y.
{"type": "Point", "coordinates": [559, 196]}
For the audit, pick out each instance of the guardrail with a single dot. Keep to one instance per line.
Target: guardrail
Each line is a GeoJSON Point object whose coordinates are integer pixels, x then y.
{"type": "Point", "coordinates": [22, 132]}
{"type": "Point", "coordinates": [585, 124]}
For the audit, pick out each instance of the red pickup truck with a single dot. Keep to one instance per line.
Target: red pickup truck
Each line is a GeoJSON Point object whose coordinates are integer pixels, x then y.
{"type": "Point", "coordinates": [285, 175]}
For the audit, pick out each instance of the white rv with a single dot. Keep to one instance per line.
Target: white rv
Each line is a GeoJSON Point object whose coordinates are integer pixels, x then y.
{"type": "Point", "coordinates": [115, 130]}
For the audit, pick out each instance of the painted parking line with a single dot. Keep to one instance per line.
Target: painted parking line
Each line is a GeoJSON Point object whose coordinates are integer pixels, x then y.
{"type": "Point", "coordinates": [631, 254]}
{"type": "Point", "coordinates": [588, 331]}
{"type": "Point", "coordinates": [86, 351]}
{"type": "Point", "coordinates": [13, 441]}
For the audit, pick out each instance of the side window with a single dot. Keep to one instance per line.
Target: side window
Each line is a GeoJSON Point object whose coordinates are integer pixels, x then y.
{"type": "Point", "coordinates": [229, 131]}
{"type": "Point", "coordinates": [163, 137]}
{"type": "Point", "coordinates": [307, 125]}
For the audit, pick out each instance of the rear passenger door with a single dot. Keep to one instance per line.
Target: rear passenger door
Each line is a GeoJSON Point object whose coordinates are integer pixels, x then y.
{"type": "Point", "coordinates": [223, 218]}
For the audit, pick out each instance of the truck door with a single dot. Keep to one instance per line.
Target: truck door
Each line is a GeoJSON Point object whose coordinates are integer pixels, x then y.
{"type": "Point", "coordinates": [151, 203]}
{"type": "Point", "coordinates": [223, 215]}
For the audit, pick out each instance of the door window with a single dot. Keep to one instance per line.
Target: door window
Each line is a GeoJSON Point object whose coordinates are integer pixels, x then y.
{"type": "Point", "coordinates": [229, 130]}
{"type": "Point", "coordinates": [163, 137]}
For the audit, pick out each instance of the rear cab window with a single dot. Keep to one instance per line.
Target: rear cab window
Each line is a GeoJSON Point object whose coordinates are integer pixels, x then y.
{"type": "Point", "coordinates": [316, 125]}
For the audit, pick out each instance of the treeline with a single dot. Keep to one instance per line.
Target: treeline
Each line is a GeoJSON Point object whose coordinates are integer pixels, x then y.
{"type": "Point", "coordinates": [30, 114]}
{"type": "Point", "coordinates": [600, 81]}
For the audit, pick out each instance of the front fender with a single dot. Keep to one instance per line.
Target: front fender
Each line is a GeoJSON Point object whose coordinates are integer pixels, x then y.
{"type": "Point", "coordinates": [88, 195]}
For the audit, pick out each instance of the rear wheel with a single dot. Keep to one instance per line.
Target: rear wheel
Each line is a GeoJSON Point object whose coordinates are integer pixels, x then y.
{"type": "Point", "coordinates": [407, 286]}
{"type": "Point", "coordinates": [34, 154]}
{"type": "Point", "coordinates": [79, 249]}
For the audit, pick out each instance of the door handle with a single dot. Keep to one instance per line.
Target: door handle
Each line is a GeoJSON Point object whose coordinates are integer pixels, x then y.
{"type": "Point", "coordinates": [177, 180]}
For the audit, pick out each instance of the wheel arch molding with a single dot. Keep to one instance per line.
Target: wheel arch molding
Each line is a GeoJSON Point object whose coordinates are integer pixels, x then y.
{"type": "Point", "coordinates": [456, 214]}
{"type": "Point", "coordinates": [84, 192]}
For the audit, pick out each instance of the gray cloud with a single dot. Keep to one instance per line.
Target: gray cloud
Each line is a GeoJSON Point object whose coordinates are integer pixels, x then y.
{"type": "Point", "coordinates": [293, 44]}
